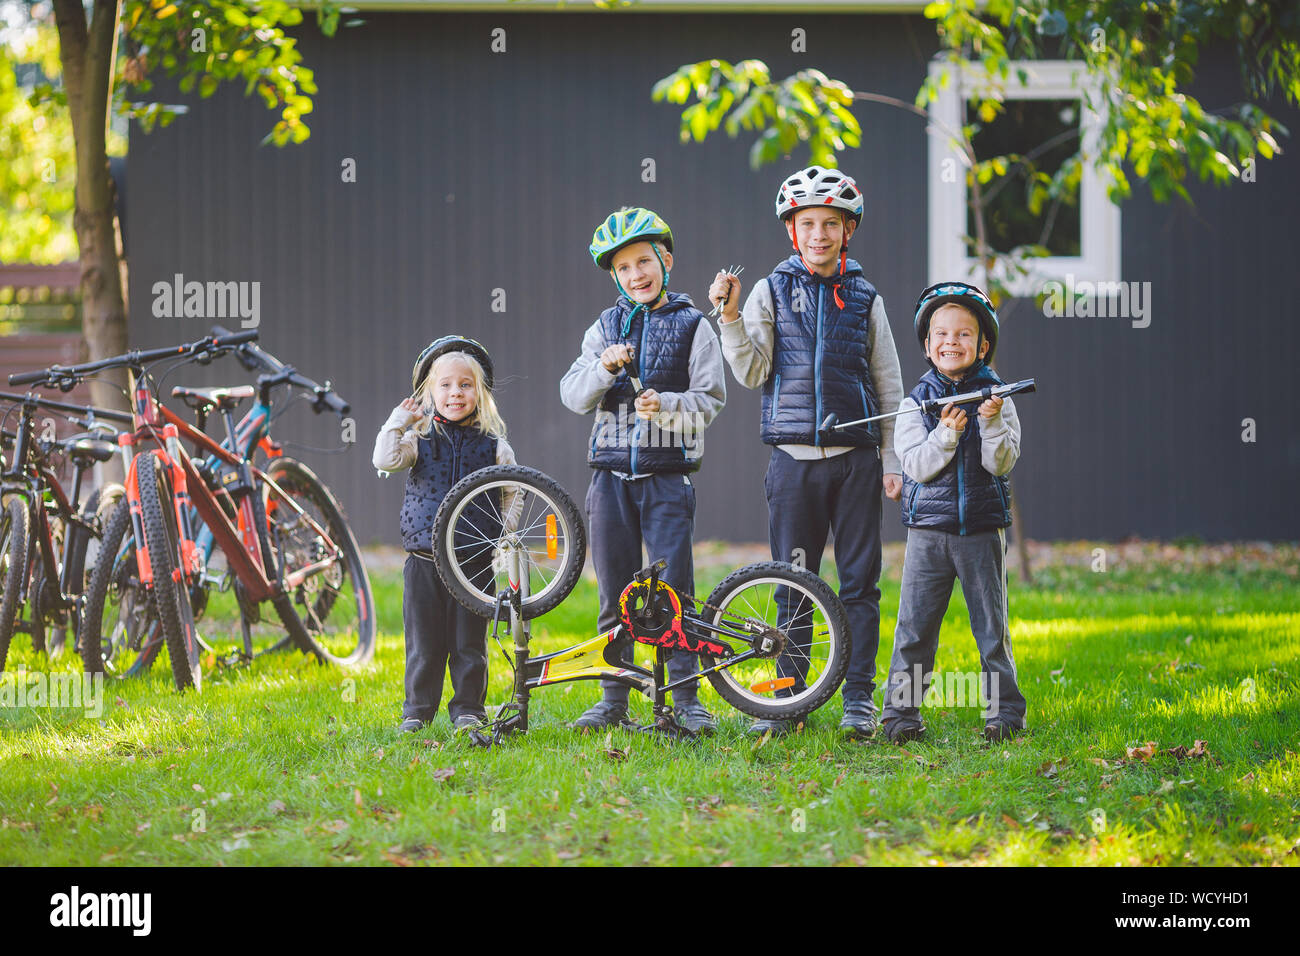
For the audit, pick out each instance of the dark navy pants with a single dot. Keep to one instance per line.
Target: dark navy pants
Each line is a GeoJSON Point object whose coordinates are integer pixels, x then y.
{"type": "Point", "coordinates": [439, 629]}
{"type": "Point", "coordinates": [659, 510]}
{"type": "Point", "coordinates": [806, 500]}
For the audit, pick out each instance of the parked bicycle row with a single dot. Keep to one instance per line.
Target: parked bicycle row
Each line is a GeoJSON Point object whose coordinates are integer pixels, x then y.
{"type": "Point", "coordinates": [134, 569]}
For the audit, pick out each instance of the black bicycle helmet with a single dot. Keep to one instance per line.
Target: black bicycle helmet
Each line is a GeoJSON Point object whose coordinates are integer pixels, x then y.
{"type": "Point", "coordinates": [450, 343]}
{"type": "Point", "coordinates": [964, 294]}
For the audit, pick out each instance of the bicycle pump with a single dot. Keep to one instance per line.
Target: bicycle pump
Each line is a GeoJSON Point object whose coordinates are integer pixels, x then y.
{"type": "Point", "coordinates": [933, 406]}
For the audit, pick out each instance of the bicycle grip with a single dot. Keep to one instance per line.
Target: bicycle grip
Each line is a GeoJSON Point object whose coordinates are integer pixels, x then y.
{"type": "Point", "coordinates": [335, 403]}
{"type": "Point", "coordinates": [26, 378]}
{"type": "Point", "coordinates": [233, 338]}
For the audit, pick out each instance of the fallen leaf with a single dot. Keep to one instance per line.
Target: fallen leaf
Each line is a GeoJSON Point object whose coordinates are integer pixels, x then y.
{"type": "Point", "coordinates": [275, 806]}
{"type": "Point", "coordinates": [1143, 753]}
{"type": "Point", "coordinates": [444, 773]}
{"type": "Point", "coordinates": [143, 827]}
{"type": "Point", "coordinates": [356, 796]}
{"type": "Point", "coordinates": [1010, 822]}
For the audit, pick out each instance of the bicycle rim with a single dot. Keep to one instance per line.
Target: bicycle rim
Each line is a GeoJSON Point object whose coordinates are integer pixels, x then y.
{"type": "Point", "coordinates": [812, 665]}
{"type": "Point", "coordinates": [538, 519]}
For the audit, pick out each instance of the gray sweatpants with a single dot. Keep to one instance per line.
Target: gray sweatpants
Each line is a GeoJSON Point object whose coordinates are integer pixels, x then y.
{"type": "Point", "coordinates": [932, 560]}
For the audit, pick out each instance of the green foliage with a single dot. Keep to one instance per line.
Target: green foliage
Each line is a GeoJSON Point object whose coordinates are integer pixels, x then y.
{"type": "Point", "coordinates": [1144, 56]}
{"type": "Point", "coordinates": [807, 107]}
{"type": "Point", "coordinates": [208, 43]}
{"type": "Point", "coordinates": [37, 178]}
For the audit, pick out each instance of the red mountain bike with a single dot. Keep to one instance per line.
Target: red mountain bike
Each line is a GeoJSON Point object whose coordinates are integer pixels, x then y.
{"type": "Point", "coordinates": [283, 535]}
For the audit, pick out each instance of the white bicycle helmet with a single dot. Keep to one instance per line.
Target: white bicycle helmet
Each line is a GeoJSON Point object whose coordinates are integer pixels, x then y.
{"type": "Point", "coordinates": [818, 186]}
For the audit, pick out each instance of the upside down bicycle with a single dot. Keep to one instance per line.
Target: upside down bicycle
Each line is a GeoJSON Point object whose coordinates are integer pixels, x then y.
{"type": "Point", "coordinates": [509, 543]}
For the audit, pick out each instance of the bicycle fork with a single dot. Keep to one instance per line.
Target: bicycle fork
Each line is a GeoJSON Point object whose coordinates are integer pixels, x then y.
{"type": "Point", "coordinates": [514, 716]}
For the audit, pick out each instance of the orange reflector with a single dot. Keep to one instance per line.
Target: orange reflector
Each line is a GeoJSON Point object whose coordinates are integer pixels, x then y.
{"type": "Point", "coordinates": [552, 536]}
{"type": "Point", "coordinates": [767, 686]}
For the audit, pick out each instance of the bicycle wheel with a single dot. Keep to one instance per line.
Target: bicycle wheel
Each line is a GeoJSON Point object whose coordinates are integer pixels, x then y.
{"type": "Point", "coordinates": [171, 593]}
{"type": "Point", "coordinates": [334, 604]}
{"type": "Point", "coordinates": [14, 535]}
{"type": "Point", "coordinates": [810, 617]}
{"type": "Point", "coordinates": [508, 504]}
{"type": "Point", "coordinates": [119, 616]}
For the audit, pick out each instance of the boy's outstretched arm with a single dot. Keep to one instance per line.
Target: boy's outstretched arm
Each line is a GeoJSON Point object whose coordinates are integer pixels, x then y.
{"type": "Point", "coordinates": [747, 342]}
{"type": "Point", "coordinates": [587, 380]}
{"type": "Point", "coordinates": [692, 411]}
{"type": "Point", "coordinates": [923, 454]}
{"type": "Point", "coordinates": [1000, 439]}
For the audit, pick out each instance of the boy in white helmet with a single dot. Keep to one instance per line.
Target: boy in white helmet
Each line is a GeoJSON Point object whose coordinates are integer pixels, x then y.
{"type": "Point", "coordinates": [814, 337]}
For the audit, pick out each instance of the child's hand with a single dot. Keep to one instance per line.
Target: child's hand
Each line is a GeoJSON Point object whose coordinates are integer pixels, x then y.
{"type": "Point", "coordinates": [615, 356]}
{"type": "Point", "coordinates": [893, 486]}
{"type": "Point", "coordinates": [726, 286]}
{"type": "Point", "coordinates": [412, 407]}
{"type": "Point", "coordinates": [990, 406]}
{"type": "Point", "coordinates": [954, 417]}
{"type": "Point", "coordinates": [647, 404]}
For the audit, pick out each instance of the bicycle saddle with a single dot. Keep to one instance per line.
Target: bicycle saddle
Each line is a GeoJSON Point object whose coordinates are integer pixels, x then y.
{"type": "Point", "coordinates": [208, 398]}
{"type": "Point", "coordinates": [83, 449]}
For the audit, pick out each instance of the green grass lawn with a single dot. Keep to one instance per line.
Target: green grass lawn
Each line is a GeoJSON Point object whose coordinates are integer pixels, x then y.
{"type": "Point", "coordinates": [286, 762]}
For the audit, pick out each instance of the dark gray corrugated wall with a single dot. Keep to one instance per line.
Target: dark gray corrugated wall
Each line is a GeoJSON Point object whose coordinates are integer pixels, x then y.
{"type": "Point", "coordinates": [479, 171]}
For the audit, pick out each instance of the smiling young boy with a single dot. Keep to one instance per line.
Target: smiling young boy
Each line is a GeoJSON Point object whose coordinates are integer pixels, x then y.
{"type": "Point", "coordinates": [814, 337]}
{"type": "Point", "coordinates": [956, 505]}
{"type": "Point", "coordinates": [644, 444]}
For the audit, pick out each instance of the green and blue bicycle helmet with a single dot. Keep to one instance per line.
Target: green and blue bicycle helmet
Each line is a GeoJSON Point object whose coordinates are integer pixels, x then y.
{"type": "Point", "coordinates": [443, 345]}
{"type": "Point", "coordinates": [622, 228]}
{"type": "Point", "coordinates": [963, 294]}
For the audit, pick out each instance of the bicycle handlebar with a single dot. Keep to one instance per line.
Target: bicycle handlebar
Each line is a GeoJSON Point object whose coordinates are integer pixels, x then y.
{"type": "Point", "coordinates": [65, 377]}
{"type": "Point", "coordinates": [109, 414]}
{"type": "Point", "coordinates": [253, 357]}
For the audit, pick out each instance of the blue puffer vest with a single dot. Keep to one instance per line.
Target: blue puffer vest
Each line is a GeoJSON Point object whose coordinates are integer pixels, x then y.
{"type": "Point", "coordinates": [619, 440]}
{"type": "Point", "coordinates": [443, 460]}
{"type": "Point", "coordinates": [821, 356]}
{"type": "Point", "coordinates": [963, 498]}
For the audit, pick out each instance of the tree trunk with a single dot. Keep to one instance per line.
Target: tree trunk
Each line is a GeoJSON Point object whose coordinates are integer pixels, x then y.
{"type": "Point", "coordinates": [87, 57]}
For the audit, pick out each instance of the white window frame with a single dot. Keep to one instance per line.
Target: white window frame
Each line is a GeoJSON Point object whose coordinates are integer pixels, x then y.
{"type": "Point", "coordinates": [1099, 218]}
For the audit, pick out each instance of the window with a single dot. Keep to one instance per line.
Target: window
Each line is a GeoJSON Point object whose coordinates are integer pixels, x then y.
{"type": "Point", "coordinates": [1042, 114]}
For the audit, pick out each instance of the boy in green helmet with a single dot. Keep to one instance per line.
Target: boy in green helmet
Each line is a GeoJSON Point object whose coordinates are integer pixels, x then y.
{"type": "Point", "coordinates": [648, 437]}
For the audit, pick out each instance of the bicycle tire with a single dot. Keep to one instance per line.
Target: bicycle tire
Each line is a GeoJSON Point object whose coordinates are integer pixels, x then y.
{"type": "Point", "coordinates": [740, 685]}
{"type": "Point", "coordinates": [470, 525]}
{"type": "Point", "coordinates": [170, 592]}
{"type": "Point", "coordinates": [15, 532]}
{"type": "Point", "coordinates": [109, 582]}
{"type": "Point", "coordinates": [326, 625]}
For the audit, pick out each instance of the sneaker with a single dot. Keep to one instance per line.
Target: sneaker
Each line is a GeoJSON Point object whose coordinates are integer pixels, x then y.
{"type": "Point", "coordinates": [692, 715]}
{"type": "Point", "coordinates": [469, 722]}
{"type": "Point", "coordinates": [412, 725]}
{"type": "Point", "coordinates": [773, 728]}
{"type": "Point", "coordinates": [901, 731]}
{"type": "Point", "coordinates": [606, 713]}
{"type": "Point", "coordinates": [997, 730]}
{"type": "Point", "coordinates": [859, 718]}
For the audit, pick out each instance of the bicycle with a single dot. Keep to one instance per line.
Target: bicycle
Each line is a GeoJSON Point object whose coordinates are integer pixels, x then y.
{"type": "Point", "coordinates": [49, 541]}
{"type": "Point", "coordinates": [283, 535]}
{"type": "Point", "coordinates": [509, 544]}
